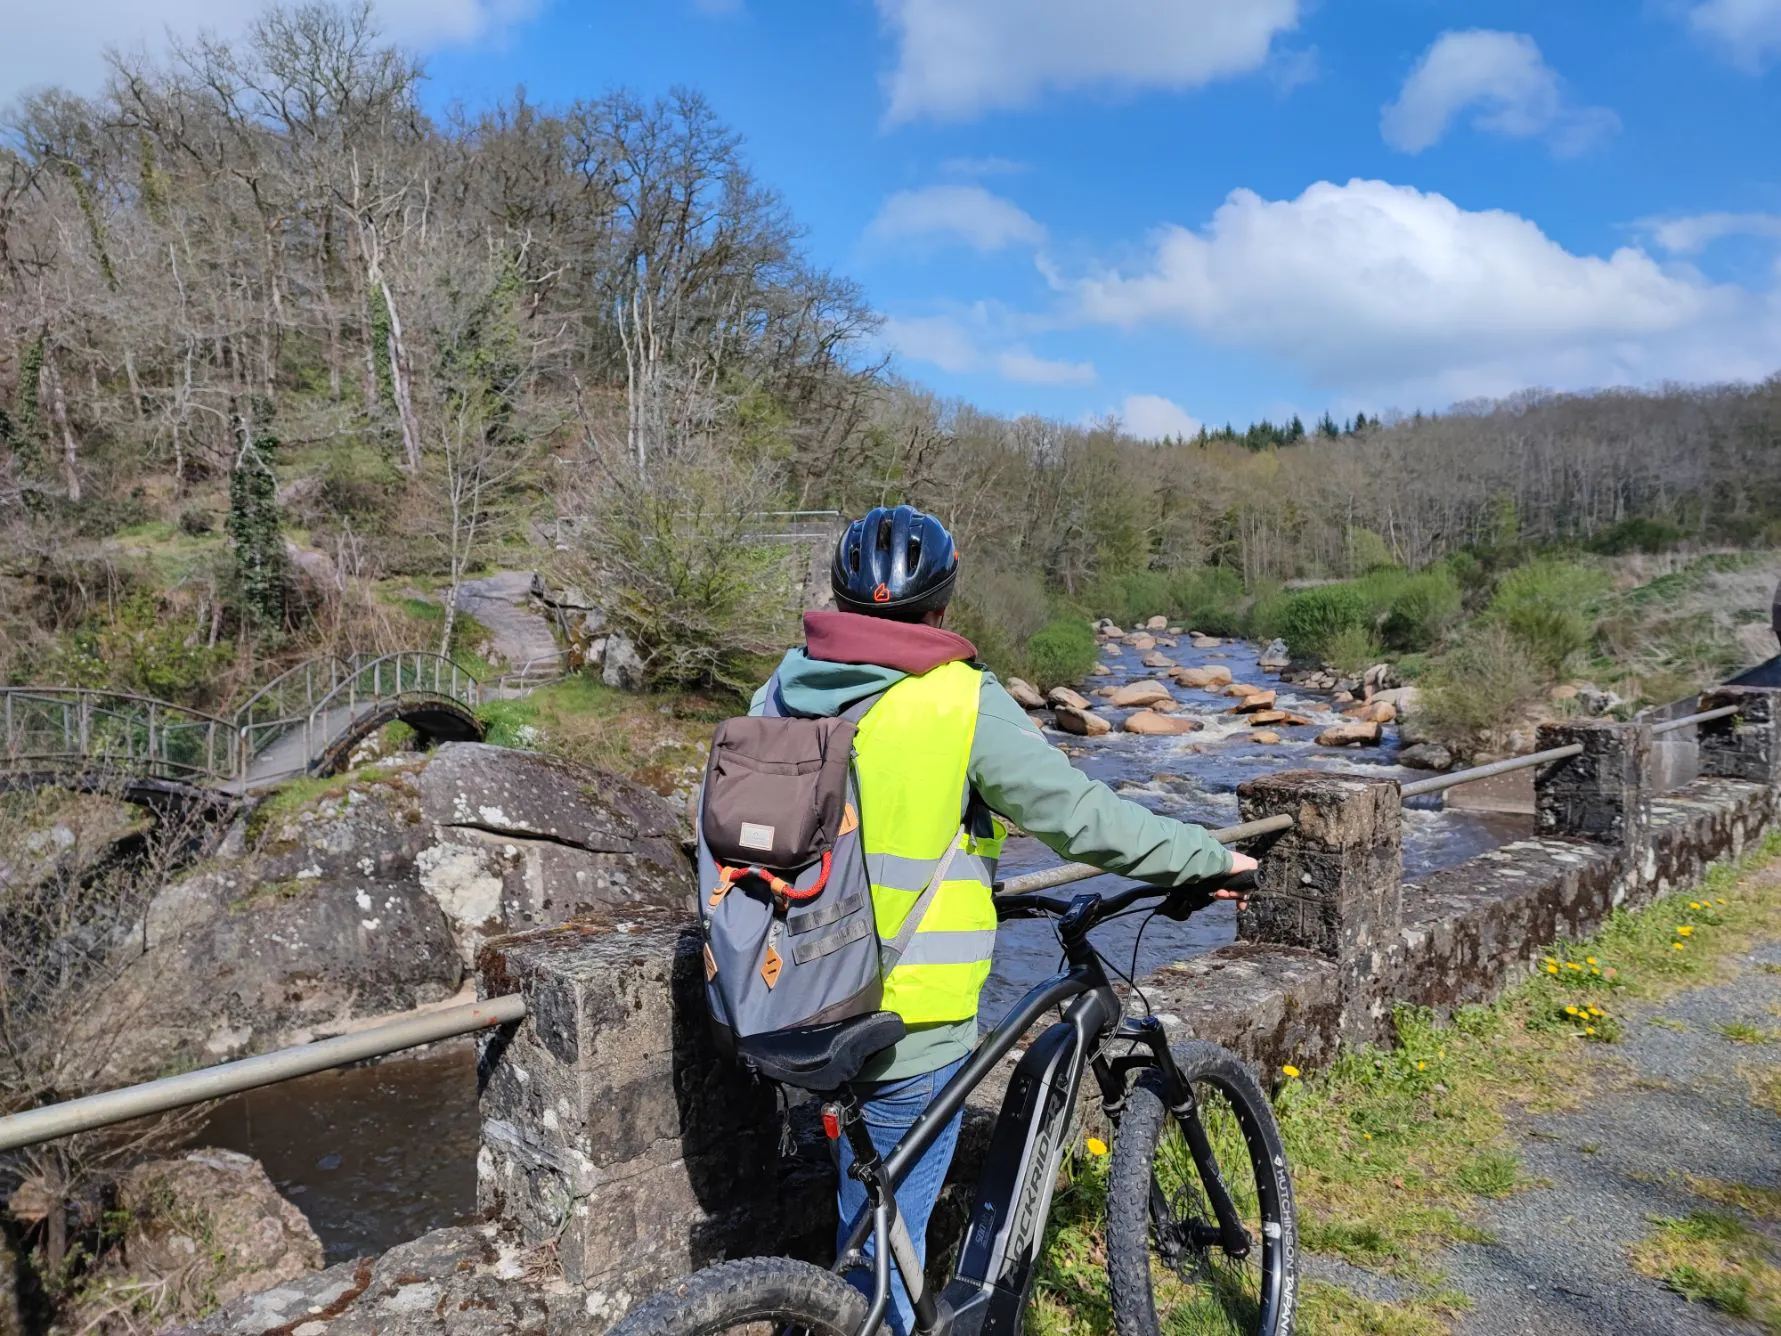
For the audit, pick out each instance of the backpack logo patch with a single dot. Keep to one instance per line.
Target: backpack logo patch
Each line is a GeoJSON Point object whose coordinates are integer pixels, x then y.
{"type": "Point", "coordinates": [754, 835]}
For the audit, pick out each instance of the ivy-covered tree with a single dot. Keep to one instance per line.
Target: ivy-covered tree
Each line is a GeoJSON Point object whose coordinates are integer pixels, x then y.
{"type": "Point", "coordinates": [254, 524]}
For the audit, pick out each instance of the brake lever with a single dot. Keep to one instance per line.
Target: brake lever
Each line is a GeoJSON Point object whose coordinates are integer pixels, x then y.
{"type": "Point", "coordinates": [1191, 899]}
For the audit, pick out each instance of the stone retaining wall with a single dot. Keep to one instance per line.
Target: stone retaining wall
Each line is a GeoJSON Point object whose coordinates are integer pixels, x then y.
{"type": "Point", "coordinates": [613, 1127]}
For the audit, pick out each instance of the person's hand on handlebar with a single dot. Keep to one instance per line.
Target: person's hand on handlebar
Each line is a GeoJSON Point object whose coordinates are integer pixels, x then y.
{"type": "Point", "coordinates": [1240, 864]}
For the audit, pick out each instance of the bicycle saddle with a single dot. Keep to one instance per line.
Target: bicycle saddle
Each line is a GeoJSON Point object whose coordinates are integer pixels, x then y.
{"type": "Point", "coordinates": [822, 1057]}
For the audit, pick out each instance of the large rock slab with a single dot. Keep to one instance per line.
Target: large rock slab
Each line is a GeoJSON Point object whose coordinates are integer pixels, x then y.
{"type": "Point", "coordinates": [373, 897]}
{"type": "Point", "coordinates": [1136, 695]}
{"type": "Point", "coordinates": [1150, 724]}
{"type": "Point", "coordinates": [1083, 723]}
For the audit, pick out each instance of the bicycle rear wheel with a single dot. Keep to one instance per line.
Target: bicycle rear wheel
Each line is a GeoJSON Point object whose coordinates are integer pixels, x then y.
{"type": "Point", "coordinates": [1167, 1262]}
{"type": "Point", "coordinates": [758, 1296]}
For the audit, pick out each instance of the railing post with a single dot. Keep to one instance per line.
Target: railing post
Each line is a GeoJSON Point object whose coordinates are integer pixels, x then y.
{"type": "Point", "coordinates": [1332, 884]}
{"type": "Point", "coordinates": [1600, 795]}
{"type": "Point", "coordinates": [1748, 744]}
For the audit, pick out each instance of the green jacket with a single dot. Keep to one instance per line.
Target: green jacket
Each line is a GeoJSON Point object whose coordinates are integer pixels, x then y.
{"type": "Point", "coordinates": [1017, 773]}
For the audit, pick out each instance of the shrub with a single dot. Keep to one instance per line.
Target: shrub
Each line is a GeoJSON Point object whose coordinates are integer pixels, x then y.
{"type": "Point", "coordinates": [1061, 654]}
{"type": "Point", "coordinates": [1421, 610]}
{"type": "Point", "coordinates": [1549, 606]}
{"type": "Point", "coordinates": [1128, 597]}
{"type": "Point", "coordinates": [1208, 599]}
{"type": "Point", "coordinates": [1480, 685]}
{"type": "Point", "coordinates": [1637, 535]}
{"type": "Point", "coordinates": [1313, 618]}
{"type": "Point", "coordinates": [1352, 650]}
{"type": "Point", "coordinates": [1000, 611]}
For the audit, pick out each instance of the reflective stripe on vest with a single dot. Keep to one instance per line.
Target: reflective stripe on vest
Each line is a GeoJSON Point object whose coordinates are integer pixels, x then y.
{"type": "Point", "coordinates": [912, 753]}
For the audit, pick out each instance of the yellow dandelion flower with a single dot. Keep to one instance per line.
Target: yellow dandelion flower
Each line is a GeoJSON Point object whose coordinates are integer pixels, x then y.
{"type": "Point", "coordinates": [1589, 1029]}
{"type": "Point", "coordinates": [1589, 960]}
{"type": "Point", "coordinates": [1571, 1011]}
{"type": "Point", "coordinates": [1595, 971]}
{"type": "Point", "coordinates": [1422, 1066]}
{"type": "Point", "coordinates": [1573, 965]}
{"type": "Point", "coordinates": [1677, 945]}
{"type": "Point", "coordinates": [1096, 1146]}
{"type": "Point", "coordinates": [1685, 932]}
{"type": "Point", "coordinates": [1552, 969]}
{"type": "Point", "coordinates": [1290, 1070]}
{"type": "Point", "coordinates": [1367, 1135]}
{"type": "Point", "coordinates": [1597, 1011]}
{"type": "Point", "coordinates": [1719, 902]}
{"type": "Point", "coordinates": [1551, 961]}
{"type": "Point", "coordinates": [1694, 904]}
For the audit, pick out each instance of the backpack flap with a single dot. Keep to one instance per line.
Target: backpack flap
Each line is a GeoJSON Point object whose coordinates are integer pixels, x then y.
{"type": "Point", "coordinates": [775, 791]}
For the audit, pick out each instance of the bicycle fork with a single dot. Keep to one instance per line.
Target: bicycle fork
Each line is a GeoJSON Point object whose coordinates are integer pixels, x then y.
{"type": "Point", "coordinates": [1178, 1093]}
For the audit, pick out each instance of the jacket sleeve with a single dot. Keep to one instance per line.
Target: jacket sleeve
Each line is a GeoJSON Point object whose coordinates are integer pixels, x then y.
{"type": "Point", "coordinates": [1022, 776]}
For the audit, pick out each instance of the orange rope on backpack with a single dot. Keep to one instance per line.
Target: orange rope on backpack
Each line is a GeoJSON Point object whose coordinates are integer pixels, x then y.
{"type": "Point", "coordinates": [781, 888]}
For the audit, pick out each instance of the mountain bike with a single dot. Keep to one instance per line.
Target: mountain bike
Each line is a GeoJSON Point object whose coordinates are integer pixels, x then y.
{"type": "Point", "coordinates": [1201, 1234]}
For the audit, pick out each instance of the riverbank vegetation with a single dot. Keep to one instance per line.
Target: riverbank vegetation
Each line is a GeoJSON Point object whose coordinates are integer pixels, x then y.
{"type": "Point", "coordinates": [284, 358]}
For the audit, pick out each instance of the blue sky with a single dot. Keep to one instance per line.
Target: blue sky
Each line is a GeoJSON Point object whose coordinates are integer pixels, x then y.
{"type": "Point", "coordinates": [1202, 210]}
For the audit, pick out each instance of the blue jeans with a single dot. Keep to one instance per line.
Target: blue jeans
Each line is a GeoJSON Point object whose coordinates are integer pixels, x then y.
{"type": "Point", "coordinates": [889, 1108]}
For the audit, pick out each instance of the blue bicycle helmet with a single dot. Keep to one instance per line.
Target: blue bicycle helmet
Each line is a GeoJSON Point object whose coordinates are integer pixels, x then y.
{"type": "Point", "coordinates": [897, 563]}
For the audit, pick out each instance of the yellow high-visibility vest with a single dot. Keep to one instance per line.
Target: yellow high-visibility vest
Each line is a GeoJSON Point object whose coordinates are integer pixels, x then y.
{"type": "Point", "coordinates": [912, 751]}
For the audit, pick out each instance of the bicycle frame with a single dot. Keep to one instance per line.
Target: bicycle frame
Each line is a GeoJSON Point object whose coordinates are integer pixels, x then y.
{"type": "Point", "coordinates": [1006, 1227]}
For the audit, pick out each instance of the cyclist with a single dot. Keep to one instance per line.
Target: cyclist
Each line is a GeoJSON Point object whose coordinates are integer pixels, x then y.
{"type": "Point", "coordinates": [947, 742]}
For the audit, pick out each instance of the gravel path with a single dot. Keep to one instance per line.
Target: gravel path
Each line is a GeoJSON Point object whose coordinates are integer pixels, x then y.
{"type": "Point", "coordinates": [1672, 1099]}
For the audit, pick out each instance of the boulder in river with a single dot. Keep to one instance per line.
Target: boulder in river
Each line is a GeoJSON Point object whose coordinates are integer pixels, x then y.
{"type": "Point", "coordinates": [1025, 694]}
{"type": "Point", "coordinates": [1373, 711]}
{"type": "Point", "coordinates": [1426, 756]}
{"type": "Point", "coordinates": [1107, 628]}
{"type": "Point", "coordinates": [1207, 642]}
{"type": "Point", "coordinates": [1197, 678]}
{"type": "Point", "coordinates": [1101, 670]}
{"type": "Point", "coordinates": [1276, 656]}
{"type": "Point", "coordinates": [1264, 717]}
{"type": "Point", "coordinates": [1135, 695]}
{"type": "Point", "coordinates": [1155, 660]}
{"type": "Point", "coordinates": [1349, 735]}
{"type": "Point", "coordinates": [1068, 699]}
{"type": "Point", "coordinates": [1083, 723]}
{"type": "Point", "coordinates": [1261, 700]}
{"type": "Point", "coordinates": [1142, 644]}
{"type": "Point", "coordinates": [1157, 624]}
{"type": "Point", "coordinates": [1265, 737]}
{"type": "Point", "coordinates": [1241, 689]}
{"type": "Point", "coordinates": [1151, 724]}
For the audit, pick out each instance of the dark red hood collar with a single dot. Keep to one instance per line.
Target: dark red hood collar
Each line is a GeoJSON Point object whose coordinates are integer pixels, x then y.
{"type": "Point", "coordinates": [909, 647]}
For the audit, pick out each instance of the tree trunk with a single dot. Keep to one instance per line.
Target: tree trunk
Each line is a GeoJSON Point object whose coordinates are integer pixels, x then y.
{"type": "Point", "coordinates": [399, 377]}
{"type": "Point", "coordinates": [70, 447]}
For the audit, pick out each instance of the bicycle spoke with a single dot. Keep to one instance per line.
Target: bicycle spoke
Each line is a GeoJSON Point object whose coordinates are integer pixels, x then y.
{"type": "Point", "coordinates": [1200, 1288]}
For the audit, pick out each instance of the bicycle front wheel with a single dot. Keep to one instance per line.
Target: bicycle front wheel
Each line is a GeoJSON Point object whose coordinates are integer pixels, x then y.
{"type": "Point", "coordinates": [1174, 1267]}
{"type": "Point", "coordinates": [759, 1296]}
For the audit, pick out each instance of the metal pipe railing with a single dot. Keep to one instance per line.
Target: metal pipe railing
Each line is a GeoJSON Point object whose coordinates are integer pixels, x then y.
{"type": "Point", "coordinates": [230, 1078]}
{"type": "Point", "coordinates": [1439, 783]}
{"type": "Point", "coordinates": [1065, 873]}
{"type": "Point", "coordinates": [1705, 716]}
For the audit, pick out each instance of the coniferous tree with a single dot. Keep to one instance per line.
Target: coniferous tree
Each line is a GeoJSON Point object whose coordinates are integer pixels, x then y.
{"type": "Point", "coordinates": [254, 524]}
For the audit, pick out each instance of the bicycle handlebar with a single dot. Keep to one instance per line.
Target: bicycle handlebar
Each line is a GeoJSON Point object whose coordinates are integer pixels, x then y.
{"type": "Point", "coordinates": [1182, 900]}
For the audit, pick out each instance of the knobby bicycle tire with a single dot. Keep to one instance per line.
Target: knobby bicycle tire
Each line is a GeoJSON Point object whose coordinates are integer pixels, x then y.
{"type": "Point", "coordinates": [1200, 1288]}
{"type": "Point", "coordinates": [768, 1293]}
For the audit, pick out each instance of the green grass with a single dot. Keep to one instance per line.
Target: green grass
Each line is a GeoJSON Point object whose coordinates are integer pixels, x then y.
{"type": "Point", "coordinates": [1715, 1258]}
{"type": "Point", "coordinates": [1740, 1032]}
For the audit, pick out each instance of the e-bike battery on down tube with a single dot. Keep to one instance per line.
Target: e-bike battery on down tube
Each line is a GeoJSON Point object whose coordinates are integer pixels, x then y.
{"type": "Point", "coordinates": [1006, 1233]}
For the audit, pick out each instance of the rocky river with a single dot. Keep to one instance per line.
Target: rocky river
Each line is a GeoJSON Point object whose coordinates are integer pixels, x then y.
{"type": "Point", "coordinates": [380, 1154]}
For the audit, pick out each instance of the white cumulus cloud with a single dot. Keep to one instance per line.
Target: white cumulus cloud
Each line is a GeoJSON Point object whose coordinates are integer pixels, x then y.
{"type": "Point", "coordinates": [1504, 81]}
{"type": "Point", "coordinates": [1693, 233]}
{"type": "Point", "coordinates": [957, 59]}
{"type": "Point", "coordinates": [64, 44]}
{"type": "Point", "coordinates": [1019, 364]}
{"type": "Point", "coordinates": [971, 214]}
{"type": "Point", "coordinates": [952, 345]}
{"type": "Point", "coordinates": [1748, 32]}
{"type": "Point", "coordinates": [1150, 417]}
{"type": "Point", "coordinates": [1371, 286]}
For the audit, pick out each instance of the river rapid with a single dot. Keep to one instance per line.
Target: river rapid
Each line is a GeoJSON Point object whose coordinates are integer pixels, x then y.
{"type": "Point", "coordinates": [380, 1154]}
